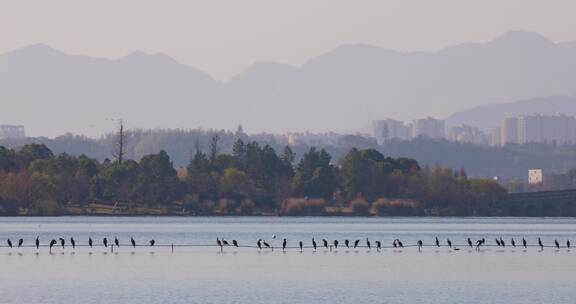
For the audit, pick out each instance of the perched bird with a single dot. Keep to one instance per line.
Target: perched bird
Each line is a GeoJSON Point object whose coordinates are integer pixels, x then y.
{"type": "Point", "coordinates": [133, 242]}
{"type": "Point", "coordinates": [378, 245]}
{"type": "Point", "coordinates": [235, 243]}
{"type": "Point", "coordinates": [62, 242]}
{"type": "Point", "coordinates": [498, 243]}
{"type": "Point", "coordinates": [513, 242]}
{"type": "Point", "coordinates": [502, 242]}
{"type": "Point", "coordinates": [9, 243]}
{"type": "Point", "coordinates": [152, 242]}
{"type": "Point", "coordinates": [568, 244]}
{"type": "Point", "coordinates": [259, 244]}
{"type": "Point", "coordinates": [420, 244]}
{"type": "Point", "coordinates": [37, 242]}
{"type": "Point", "coordinates": [284, 245]}
{"type": "Point", "coordinates": [225, 242]}
{"type": "Point", "coordinates": [73, 242]}
{"type": "Point", "coordinates": [557, 244]}
{"type": "Point", "coordinates": [219, 242]}
{"type": "Point", "coordinates": [347, 243]}
{"type": "Point", "coordinates": [301, 245]}
{"type": "Point", "coordinates": [52, 243]}
{"type": "Point", "coordinates": [325, 242]}
{"type": "Point", "coordinates": [105, 242]}
{"type": "Point", "coordinates": [356, 243]}
{"type": "Point", "coordinates": [395, 244]}
{"type": "Point", "coordinates": [449, 243]}
{"type": "Point", "coordinates": [90, 242]}
{"type": "Point", "coordinates": [400, 243]}
{"type": "Point", "coordinates": [314, 244]}
{"type": "Point", "coordinates": [116, 242]}
{"type": "Point", "coordinates": [540, 244]}
{"type": "Point", "coordinates": [470, 242]}
{"type": "Point", "coordinates": [524, 243]}
{"type": "Point", "coordinates": [336, 244]}
{"type": "Point", "coordinates": [266, 244]}
{"type": "Point", "coordinates": [437, 242]}
{"type": "Point", "coordinates": [368, 243]}
{"type": "Point", "coordinates": [20, 241]}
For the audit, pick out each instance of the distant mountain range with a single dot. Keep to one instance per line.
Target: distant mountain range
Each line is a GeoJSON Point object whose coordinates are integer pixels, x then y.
{"type": "Point", "coordinates": [51, 92]}
{"type": "Point", "coordinates": [489, 116]}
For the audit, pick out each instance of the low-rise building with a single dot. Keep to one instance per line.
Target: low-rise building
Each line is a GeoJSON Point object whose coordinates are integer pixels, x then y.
{"type": "Point", "coordinates": [535, 176]}
{"type": "Point", "coordinates": [10, 131]}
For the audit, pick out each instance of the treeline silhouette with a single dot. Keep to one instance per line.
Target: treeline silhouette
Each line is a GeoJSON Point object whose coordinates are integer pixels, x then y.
{"type": "Point", "coordinates": [511, 161]}
{"type": "Point", "coordinates": [253, 179]}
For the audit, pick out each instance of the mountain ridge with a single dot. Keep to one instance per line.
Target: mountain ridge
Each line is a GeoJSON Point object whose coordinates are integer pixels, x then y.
{"type": "Point", "coordinates": [339, 90]}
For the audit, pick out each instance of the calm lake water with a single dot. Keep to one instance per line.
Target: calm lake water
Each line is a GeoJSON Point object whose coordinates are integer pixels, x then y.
{"type": "Point", "coordinates": [246, 275]}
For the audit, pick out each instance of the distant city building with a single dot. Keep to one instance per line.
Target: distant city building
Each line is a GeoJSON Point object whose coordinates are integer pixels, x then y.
{"type": "Point", "coordinates": [429, 127]}
{"type": "Point", "coordinates": [468, 134]}
{"type": "Point", "coordinates": [529, 129]}
{"type": "Point", "coordinates": [559, 129]}
{"type": "Point", "coordinates": [9, 131]}
{"type": "Point", "coordinates": [496, 137]}
{"type": "Point", "coordinates": [312, 139]}
{"type": "Point", "coordinates": [387, 129]}
{"type": "Point", "coordinates": [535, 176]}
{"type": "Point", "coordinates": [509, 131]}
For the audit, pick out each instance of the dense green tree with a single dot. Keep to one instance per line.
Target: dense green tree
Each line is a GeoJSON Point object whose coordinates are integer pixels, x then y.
{"type": "Point", "coordinates": [32, 152]}
{"type": "Point", "coordinates": [201, 179]}
{"type": "Point", "coordinates": [157, 180]}
{"type": "Point", "coordinates": [235, 184]}
{"type": "Point", "coordinates": [7, 159]}
{"type": "Point", "coordinates": [253, 176]}
{"type": "Point", "coordinates": [315, 175]}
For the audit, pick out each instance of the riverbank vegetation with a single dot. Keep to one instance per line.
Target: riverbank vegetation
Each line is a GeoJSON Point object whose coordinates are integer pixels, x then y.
{"type": "Point", "coordinates": [252, 180]}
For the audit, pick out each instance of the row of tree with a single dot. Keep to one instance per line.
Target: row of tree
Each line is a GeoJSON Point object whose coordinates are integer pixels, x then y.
{"type": "Point", "coordinates": [511, 161]}
{"type": "Point", "coordinates": [253, 179]}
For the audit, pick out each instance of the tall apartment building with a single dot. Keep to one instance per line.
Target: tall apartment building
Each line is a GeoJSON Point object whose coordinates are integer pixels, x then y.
{"type": "Point", "coordinates": [559, 129]}
{"type": "Point", "coordinates": [529, 129]}
{"type": "Point", "coordinates": [429, 127]}
{"type": "Point", "coordinates": [496, 137]}
{"type": "Point", "coordinates": [387, 129]}
{"type": "Point", "coordinates": [509, 131]}
{"type": "Point", "coordinates": [9, 131]}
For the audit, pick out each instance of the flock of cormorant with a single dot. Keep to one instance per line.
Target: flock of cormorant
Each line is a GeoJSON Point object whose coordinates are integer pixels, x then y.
{"type": "Point", "coordinates": [262, 244]}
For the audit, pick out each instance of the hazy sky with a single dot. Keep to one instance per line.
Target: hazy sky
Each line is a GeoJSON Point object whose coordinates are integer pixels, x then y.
{"type": "Point", "coordinates": [224, 37]}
